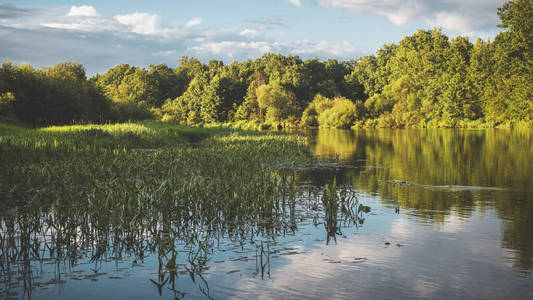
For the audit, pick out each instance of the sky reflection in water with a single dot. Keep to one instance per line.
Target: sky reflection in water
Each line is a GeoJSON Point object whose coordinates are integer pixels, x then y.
{"type": "Point", "coordinates": [464, 230]}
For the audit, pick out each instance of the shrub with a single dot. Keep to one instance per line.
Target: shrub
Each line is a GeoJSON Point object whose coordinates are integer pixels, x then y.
{"type": "Point", "coordinates": [342, 115]}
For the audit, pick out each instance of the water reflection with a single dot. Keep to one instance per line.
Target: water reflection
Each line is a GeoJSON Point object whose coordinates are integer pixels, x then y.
{"type": "Point", "coordinates": [45, 247]}
{"type": "Point", "coordinates": [438, 174]}
{"type": "Point", "coordinates": [450, 217]}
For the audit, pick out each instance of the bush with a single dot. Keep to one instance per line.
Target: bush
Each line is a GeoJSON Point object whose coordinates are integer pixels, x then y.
{"type": "Point", "coordinates": [126, 111]}
{"type": "Point", "coordinates": [7, 110]}
{"type": "Point", "coordinates": [342, 115]}
{"type": "Point", "coordinates": [309, 116]}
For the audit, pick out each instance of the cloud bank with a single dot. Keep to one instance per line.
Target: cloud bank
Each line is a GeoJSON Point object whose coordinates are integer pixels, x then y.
{"type": "Point", "coordinates": [460, 15]}
{"type": "Point", "coordinates": [82, 34]}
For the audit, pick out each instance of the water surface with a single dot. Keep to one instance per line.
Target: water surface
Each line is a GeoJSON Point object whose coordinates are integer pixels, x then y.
{"type": "Point", "coordinates": [451, 217]}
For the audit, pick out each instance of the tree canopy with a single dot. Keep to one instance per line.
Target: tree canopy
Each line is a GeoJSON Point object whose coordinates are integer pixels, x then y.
{"type": "Point", "coordinates": [427, 79]}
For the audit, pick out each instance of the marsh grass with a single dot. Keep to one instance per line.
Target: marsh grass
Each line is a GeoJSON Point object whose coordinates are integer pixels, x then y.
{"type": "Point", "coordinates": [341, 209]}
{"type": "Point", "coordinates": [95, 191]}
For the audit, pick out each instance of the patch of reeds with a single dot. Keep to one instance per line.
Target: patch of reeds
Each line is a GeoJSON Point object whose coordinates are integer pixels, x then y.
{"type": "Point", "coordinates": [146, 189]}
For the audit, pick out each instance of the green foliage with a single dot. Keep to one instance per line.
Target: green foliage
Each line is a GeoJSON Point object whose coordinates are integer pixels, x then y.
{"type": "Point", "coordinates": [275, 102]}
{"type": "Point", "coordinates": [378, 104]}
{"type": "Point", "coordinates": [424, 80]}
{"type": "Point", "coordinates": [336, 112]}
{"type": "Point", "coordinates": [343, 114]}
{"type": "Point", "coordinates": [249, 109]}
{"type": "Point", "coordinates": [309, 116]}
{"type": "Point", "coordinates": [7, 110]}
{"type": "Point", "coordinates": [55, 95]}
{"type": "Point", "coordinates": [428, 78]}
{"type": "Point", "coordinates": [314, 109]}
{"type": "Point", "coordinates": [128, 111]}
{"type": "Point", "coordinates": [510, 97]}
{"type": "Point", "coordinates": [200, 103]}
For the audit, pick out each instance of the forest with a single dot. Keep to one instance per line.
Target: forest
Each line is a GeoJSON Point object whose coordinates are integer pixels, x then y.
{"type": "Point", "coordinates": [425, 80]}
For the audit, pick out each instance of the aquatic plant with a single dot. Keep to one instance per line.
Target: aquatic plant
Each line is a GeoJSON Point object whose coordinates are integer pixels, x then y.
{"type": "Point", "coordinates": [345, 200]}
{"type": "Point", "coordinates": [131, 190]}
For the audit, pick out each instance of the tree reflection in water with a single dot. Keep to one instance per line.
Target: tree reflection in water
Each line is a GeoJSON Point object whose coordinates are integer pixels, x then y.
{"type": "Point", "coordinates": [493, 170]}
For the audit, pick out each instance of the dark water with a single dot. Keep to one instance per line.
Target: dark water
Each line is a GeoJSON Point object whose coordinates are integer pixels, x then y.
{"type": "Point", "coordinates": [451, 217]}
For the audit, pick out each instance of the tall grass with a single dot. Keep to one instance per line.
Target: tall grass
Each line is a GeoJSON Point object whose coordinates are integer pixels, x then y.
{"type": "Point", "coordinates": [141, 188]}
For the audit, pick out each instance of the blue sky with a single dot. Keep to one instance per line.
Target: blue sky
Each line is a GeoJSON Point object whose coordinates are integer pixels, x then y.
{"type": "Point", "coordinates": [101, 34]}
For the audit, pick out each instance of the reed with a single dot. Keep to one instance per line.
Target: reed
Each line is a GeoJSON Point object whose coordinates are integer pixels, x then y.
{"type": "Point", "coordinates": [140, 189]}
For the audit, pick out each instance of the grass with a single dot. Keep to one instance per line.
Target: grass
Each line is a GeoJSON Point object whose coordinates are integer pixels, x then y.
{"type": "Point", "coordinates": [78, 157]}
{"type": "Point", "coordinates": [146, 187]}
{"type": "Point", "coordinates": [91, 183]}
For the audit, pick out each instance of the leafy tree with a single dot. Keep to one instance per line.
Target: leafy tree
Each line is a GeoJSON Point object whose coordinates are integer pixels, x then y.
{"type": "Point", "coordinates": [164, 82]}
{"type": "Point", "coordinates": [513, 55]}
{"type": "Point", "coordinates": [457, 96]}
{"type": "Point", "coordinates": [7, 111]}
{"type": "Point", "coordinates": [315, 108]}
{"type": "Point", "coordinates": [54, 95]}
{"type": "Point", "coordinates": [424, 79]}
{"type": "Point", "coordinates": [275, 101]}
{"type": "Point", "coordinates": [343, 114]}
{"type": "Point", "coordinates": [249, 109]}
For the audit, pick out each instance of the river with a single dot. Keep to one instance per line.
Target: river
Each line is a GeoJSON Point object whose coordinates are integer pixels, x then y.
{"type": "Point", "coordinates": [451, 216]}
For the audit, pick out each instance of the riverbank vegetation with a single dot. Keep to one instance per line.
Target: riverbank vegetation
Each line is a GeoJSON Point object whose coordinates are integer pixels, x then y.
{"type": "Point", "coordinates": [85, 193]}
{"type": "Point", "coordinates": [438, 173]}
{"type": "Point", "coordinates": [425, 80]}
{"type": "Point", "coordinates": [71, 162]}
{"type": "Point", "coordinates": [118, 179]}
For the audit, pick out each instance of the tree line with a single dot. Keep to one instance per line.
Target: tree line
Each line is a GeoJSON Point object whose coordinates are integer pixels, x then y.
{"type": "Point", "coordinates": [427, 79]}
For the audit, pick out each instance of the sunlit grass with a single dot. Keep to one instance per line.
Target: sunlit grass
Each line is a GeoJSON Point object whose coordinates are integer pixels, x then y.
{"type": "Point", "coordinates": [148, 188]}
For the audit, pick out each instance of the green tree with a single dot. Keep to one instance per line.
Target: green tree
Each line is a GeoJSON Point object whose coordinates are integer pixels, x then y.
{"type": "Point", "coordinates": [249, 109]}
{"type": "Point", "coordinates": [343, 114]}
{"type": "Point", "coordinates": [315, 108]}
{"type": "Point", "coordinates": [513, 58]}
{"type": "Point", "coordinates": [275, 101]}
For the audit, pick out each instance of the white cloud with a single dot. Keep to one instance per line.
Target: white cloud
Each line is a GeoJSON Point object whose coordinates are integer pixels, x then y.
{"type": "Point", "coordinates": [9, 11]}
{"type": "Point", "coordinates": [456, 21]}
{"type": "Point", "coordinates": [304, 48]}
{"type": "Point", "coordinates": [249, 32]}
{"type": "Point", "coordinates": [141, 23]}
{"type": "Point", "coordinates": [42, 46]}
{"type": "Point", "coordinates": [80, 33]}
{"type": "Point", "coordinates": [295, 2]}
{"type": "Point", "coordinates": [460, 15]}
{"type": "Point", "coordinates": [83, 23]}
{"type": "Point", "coordinates": [398, 12]}
{"type": "Point", "coordinates": [232, 49]}
{"type": "Point", "coordinates": [166, 53]}
{"type": "Point", "coordinates": [85, 18]}
{"type": "Point", "coordinates": [324, 48]}
{"type": "Point", "coordinates": [450, 21]}
{"type": "Point", "coordinates": [269, 21]}
{"type": "Point", "coordinates": [84, 10]}
{"type": "Point", "coordinates": [194, 22]}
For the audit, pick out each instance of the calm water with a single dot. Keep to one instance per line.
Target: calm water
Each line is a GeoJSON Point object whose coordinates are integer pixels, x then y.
{"type": "Point", "coordinates": [451, 217]}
